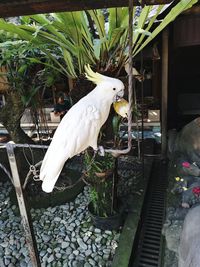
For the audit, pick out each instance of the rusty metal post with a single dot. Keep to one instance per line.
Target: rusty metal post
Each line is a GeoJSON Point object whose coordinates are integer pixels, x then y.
{"type": "Point", "coordinates": [25, 215]}
{"type": "Point", "coordinates": [165, 48]}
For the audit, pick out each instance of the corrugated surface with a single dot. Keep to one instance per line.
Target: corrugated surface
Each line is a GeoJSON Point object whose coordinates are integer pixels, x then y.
{"type": "Point", "coordinates": [187, 31]}
{"type": "Point", "coordinates": [149, 249]}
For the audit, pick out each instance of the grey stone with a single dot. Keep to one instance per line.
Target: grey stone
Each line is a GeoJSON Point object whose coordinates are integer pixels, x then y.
{"type": "Point", "coordinates": [76, 252]}
{"type": "Point", "coordinates": [42, 253]}
{"type": "Point", "coordinates": [73, 234]}
{"type": "Point", "coordinates": [7, 261]}
{"type": "Point", "coordinates": [64, 244]}
{"type": "Point", "coordinates": [50, 259]}
{"type": "Point", "coordinates": [4, 244]}
{"type": "Point", "coordinates": [46, 238]}
{"type": "Point", "coordinates": [108, 232]}
{"type": "Point", "coordinates": [2, 263]}
{"type": "Point", "coordinates": [52, 210]}
{"type": "Point", "coordinates": [23, 264]}
{"type": "Point", "coordinates": [57, 249]}
{"type": "Point", "coordinates": [92, 262]}
{"type": "Point", "coordinates": [70, 228]}
{"type": "Point", "coordinates": [189, 255]}
{"type": "Point", "coordinates": [81, 243]}
{"type": "Point", "coordinates": [85, 238]}
{"type": "Point", "coordinates": [106, 256]}
{"type": "Point", "coordinates": [106, 251]}
{"type": "Point", "coordinates": [98, 239]}
{"type": "Point", "coordinates": [67, 238]}
{"type": "Point", "coordinates": [172, 235]}
{"type": "Point", "coordinates": [97, 230]}
{"type": "Point", "coordinates": [57, 219]}
{"type": "Point", "coordinates": [65, 263]}
{"type": "Point", "coordinates": [49, 250]}
{"type": "Point", "coordinates": [88, 252]}
{"type": "Point", "coordinates": [58, 255]}
{"type": "Point", "coordinates": [68, 251]}
{"type": "Point", "coordinates": [94, 249]}
{"type": "Point", "coordinates": [71, 257]}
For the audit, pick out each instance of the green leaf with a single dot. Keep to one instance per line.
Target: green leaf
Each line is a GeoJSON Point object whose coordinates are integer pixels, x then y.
{"type": "Point", "coordinates": [151, 22]}
{"type": "Point", "coordinates": [22, 68]}
{"type": "Point", "coordinates": [69, 63]}
{"type": "Point", "coordinates": [116, 37]}
{"type": "Point", "coordinates": [178, 9]}
{"type": "Point", "coordinates": [141, 22]}
{"type": "Point", "coordinates": [99, 21]}
{"type": "Point", "coordinates": [142, 31]}
{"type": "Point", "coordinates": [12, 28]}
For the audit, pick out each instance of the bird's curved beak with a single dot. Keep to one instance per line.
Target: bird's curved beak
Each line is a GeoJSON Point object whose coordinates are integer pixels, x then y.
{"type": "Point", "coordinates": [119, 95]}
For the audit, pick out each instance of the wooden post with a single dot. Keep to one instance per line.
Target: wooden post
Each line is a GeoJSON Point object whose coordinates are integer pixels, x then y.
{"type": "Point", "coordinates": [165, 46]}
{"type": "Point", "coordinates": [25, 216]}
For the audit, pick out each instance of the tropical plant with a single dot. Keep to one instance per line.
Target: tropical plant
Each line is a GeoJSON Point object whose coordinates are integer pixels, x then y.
{"type": "Point", "coordinates": [95, 37]}
{"type": "Point", "coordinates": [69, 40]}
{"type": "Point", "coordinates": [99, 176]}
{"type": "Point", "coordinates": [23, 78]}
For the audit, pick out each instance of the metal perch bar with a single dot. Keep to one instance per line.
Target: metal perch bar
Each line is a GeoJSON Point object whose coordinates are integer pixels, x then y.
{"type": "Point", "coordinates": [3, 145]}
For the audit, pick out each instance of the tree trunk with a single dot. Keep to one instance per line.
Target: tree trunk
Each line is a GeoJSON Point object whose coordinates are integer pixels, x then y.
{"type": "Point", "coordinates": [10, 117]}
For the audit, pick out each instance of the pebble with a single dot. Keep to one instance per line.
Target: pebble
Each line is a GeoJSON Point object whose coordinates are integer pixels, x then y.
{"type": "Point", "coordinates": [50, 259]}
{"type": "Point", "coordinates": [81, 243]}
{"type": "Point", "coordinates": [58, 255]}
{"type": "Point", "coordinates": [57, 219]}
{"type": "Point", "coordinates": [92, 262]}
{"type": "Point", "coordinates": [97, 230]}
{"type": "Point", "coordinates": [46, 238]}
{"type": "Point", "coordinates": [76, 252]}
{"type": "Point", "coordinates": [49, 250]}
{"type": "Point", "coordinates": [88, 252]}
{"type": "Point", "coordinates": [64, 244]}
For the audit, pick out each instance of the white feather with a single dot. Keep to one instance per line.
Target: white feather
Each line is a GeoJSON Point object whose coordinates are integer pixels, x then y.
{"type": "Point", "coordinates": [79, 129]}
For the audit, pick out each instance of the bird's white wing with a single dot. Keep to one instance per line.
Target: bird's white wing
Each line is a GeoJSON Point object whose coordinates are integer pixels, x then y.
{"type": "Point", "coordinates": [78, 130]}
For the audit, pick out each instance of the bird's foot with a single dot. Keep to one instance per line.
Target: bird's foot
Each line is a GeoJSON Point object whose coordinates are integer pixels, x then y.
{"type": "Point", "coordinates": [101, 151]}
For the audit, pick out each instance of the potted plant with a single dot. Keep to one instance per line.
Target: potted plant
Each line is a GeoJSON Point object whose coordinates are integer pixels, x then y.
{"type": "Point", "coordinates": [100, 176]}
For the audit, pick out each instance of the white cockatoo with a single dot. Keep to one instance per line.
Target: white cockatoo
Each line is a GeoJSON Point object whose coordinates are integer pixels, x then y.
{"type": "Point", "coordinates": [80, 127]}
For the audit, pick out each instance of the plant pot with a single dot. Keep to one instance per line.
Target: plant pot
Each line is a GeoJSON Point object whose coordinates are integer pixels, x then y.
{"type": "Point", "coordinates": [104, 174]}
{"type": "Point", "coordinates": [44, 200]}
{"type": "Point", "coordinates": [112, 222]}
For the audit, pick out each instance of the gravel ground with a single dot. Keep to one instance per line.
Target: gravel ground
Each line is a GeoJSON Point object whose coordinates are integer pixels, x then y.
{"type": "Point", "coordinates": [64, 234]}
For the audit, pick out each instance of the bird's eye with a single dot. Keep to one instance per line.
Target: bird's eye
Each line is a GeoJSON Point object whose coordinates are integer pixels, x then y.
{"type": "Point", "coordinates": [114, 89]}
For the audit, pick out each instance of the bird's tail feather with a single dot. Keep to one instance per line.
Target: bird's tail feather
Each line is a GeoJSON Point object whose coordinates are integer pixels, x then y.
{"type": "Point", "coordinates": [49, 183]}
{"type": "Point", "coordinates": [50, 170]}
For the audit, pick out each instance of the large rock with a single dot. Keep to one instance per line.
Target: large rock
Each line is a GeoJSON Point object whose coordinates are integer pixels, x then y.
{"type": "Point", "coordinates": [189, 248]}
{"type": "Point", "coordinates": [187, 141]}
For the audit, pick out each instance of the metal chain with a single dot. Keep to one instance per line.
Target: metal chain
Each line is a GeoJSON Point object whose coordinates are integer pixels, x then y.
{"type": "Point", "coordinates": [32, 156]}
{"type": "Point", "coordinates": [33, 171]}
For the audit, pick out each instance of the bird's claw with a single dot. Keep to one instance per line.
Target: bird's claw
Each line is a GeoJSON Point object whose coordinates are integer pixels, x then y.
{"type": "Point", "coordinates": [101, 151]}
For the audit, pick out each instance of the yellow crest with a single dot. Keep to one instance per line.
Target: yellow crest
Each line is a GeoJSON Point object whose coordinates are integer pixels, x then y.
{"type": "Point", "coordinates": [95, 77]}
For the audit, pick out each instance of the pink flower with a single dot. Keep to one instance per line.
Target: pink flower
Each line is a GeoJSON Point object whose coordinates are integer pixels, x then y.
{"type": "Point", "coordinates": [196, 191]}
{"type": "Point", "coordinates": [186, 164]}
